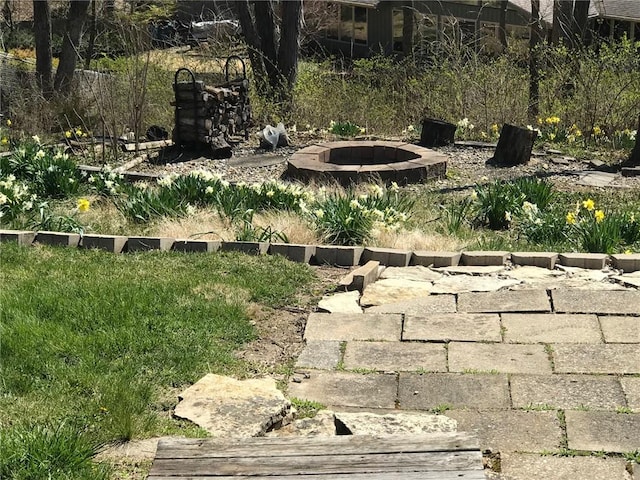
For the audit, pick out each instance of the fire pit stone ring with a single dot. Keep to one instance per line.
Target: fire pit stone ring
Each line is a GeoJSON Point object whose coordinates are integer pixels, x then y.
{"type": "Point", "coordinates": [350, 162]}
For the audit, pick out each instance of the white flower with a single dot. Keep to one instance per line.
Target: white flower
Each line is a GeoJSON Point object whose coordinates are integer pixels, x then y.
{"type": "Point", "coordinates": [190, 210]}
{"type": "Point", "coordinates": [108, 184]}
{"type": "Point", "coordinates": [36, 139]}
{"type": "Point", "coordinates": [410, 128]}
{"type": "Point", "coordinates": [3, 198]}
{"type": "Point", "coordinates": [394, 187]}
{"type": "Point", "coordinates": [507, 216]}
{"type": "Point", "coordinates": [270, 193]}
{"type": "Point", "coordinates": [27, 205]}
{"type": "Point", "coordinates": [208, 190]}
{"type": "Point", "coordinates": [363, 197]}
{"type": "Point", "coordinates": [474, 195]}
{"type": "Point", "coordinates": [51, 168]}
{"type": "Point", "coordinates": [354, 204]}
{"type": "Point", "coordinates": [376, 190]}
{"type": "Point", "coordinates": [71, 180]}
{"type": "Point", "coordinates": [303, 206]}
{"type": "Point", "coordinates": [92, 179]}
{"type": "Point", "coordinates": [40, 154]}
{"type": "Point", "coordinates": [319, 213]}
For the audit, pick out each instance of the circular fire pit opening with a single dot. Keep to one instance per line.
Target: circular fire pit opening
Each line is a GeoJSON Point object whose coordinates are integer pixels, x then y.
{"type": "Point", "coordinates": [364, 161]}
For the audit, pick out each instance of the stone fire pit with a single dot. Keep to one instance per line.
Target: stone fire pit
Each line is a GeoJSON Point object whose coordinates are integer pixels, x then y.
{"type": "Point", "coordinates": [360, 161]}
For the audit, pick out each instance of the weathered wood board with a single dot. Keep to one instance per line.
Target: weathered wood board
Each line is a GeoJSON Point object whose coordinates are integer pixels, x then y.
{"type": "Point", "coordinates": [440, 456]}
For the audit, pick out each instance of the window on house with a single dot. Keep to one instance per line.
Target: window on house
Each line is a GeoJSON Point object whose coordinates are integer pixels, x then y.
{"type": "Point", "coordinates": [397, 22]}
{"type": "Point", "coordinates": [347, 23]}
{"type": "Point", "coordinates": [458, 31]}
{"type": "Point", "coordinates": [425, 32]}
{"type": "Point", "coordinates": [489, 38]}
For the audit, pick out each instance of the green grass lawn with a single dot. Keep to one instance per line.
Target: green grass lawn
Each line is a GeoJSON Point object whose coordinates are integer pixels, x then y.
{"type": "Point", "coordinates": [95, 346]}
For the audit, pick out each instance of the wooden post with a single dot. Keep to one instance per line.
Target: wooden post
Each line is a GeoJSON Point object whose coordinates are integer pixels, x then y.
{"type": "Point", "coordinates": [436, 133]}
{"type": "Point", "coordinates": [514, 146]}
{"type": "Point", "coordinates": [634, 158]}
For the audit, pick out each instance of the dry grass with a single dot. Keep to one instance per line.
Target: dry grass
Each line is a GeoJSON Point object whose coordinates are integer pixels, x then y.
{"type": "Point", "coordinates": [204, 225]}
{"type": "Point", "coordinates": [417, 240]}
{"type": "Point", "coordinates": [292, 225]}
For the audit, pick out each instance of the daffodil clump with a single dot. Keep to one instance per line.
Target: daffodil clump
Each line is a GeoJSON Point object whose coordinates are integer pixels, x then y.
{"type": "Point", "coordinates": [345, 129]}
{"type": "Point", "coordinates": [353, 218]}
{"type": "Point", "coordinates": [75, 134]}
{"type": "Point", "coordinates": [5, 134]}
{"type": "Point", "coordinates": [591, 229]}
{"type": "Point", "coordinates": [464, 129]}
{"type": "Point", "coordinates": [15, 199]}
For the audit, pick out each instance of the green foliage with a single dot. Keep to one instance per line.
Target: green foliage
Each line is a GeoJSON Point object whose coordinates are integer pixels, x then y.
{"type": "Point", "coordinates": [103, 357]}
{"type": "Point", "coordinates": [306, 408]}
{"type": "Point", "coordinates": [345, 129]}
{"type": "Point", "coordinates": [351, 218]}
{"type": "Point", "coordinates": [48, 452]}
{"type": "Point", "coordinates": [456, 214]}
{"type": "Point", "coordinates": [498, 202]}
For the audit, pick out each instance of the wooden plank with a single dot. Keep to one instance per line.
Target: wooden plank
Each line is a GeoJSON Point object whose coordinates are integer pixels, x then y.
{"type": "Point", "coordinates": [342, 444]}
{"type": "Point", "coordinates": [327, 464]}
{"type": "Point", "coordinates": [440, 475]}
{"type": "Point", "coordinates": [131, 147]}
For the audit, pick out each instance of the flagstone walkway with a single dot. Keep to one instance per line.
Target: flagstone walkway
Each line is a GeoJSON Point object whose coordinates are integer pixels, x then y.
{"type": "Point", "coordinates": [546, 370]}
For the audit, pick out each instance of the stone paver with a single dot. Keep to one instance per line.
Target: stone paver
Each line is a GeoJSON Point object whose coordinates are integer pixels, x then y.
{"type": "Point", "coordinates": [474, 327]}
{"type": "Point", "coordinates": [343, 302]}
{"type": "Point", "coordinates": [609, 358]}
{"type": "Point", "coordinates": [393, 290]}
{"type": "Point", "coordinates": [503, 358]}
{"type": "Point", "coordinates": [366, 423]}
{"type": "Point", "coordinates": [526, 466]}
{"type": "Point", "coordinates": [363, 326]}
{"type": "Point", "coordinates": [504, 301]}
{"type": "Point", "coordinates": [511, 431]}
{"type": "Point", "coordinates": [434, 390]}
{"type": "Point", "coordinates": [616, 302]}
{"type": "Point", "coordinates": [320, 354]}
{"type": "Point", "coordinates": [550, 328]}
{"type": "Point", "coordinates": [603, 431]}
{"type": "Point", "coordinates": [416, 273]}
{"type": "Point", "coordinates": [419, 306]}
{"type": "Point", "coordinates": [631, 387]}
{"type": "Point", "coordinates": [620, 329]}
{"type": "Point", "coordinates": [347, 389]}
{"type": "Point", "coordinates": [473, 269]}
{"type": "Point", "coordinates": [471, 283]}
{"type": "Point", "coordinates": [567, 391]}
{"type": "Point", "coordinates": [395, 356]}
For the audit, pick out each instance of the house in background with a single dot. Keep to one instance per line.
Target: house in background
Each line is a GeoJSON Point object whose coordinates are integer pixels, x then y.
{"type": "Point", "coordinates": [359, 28]}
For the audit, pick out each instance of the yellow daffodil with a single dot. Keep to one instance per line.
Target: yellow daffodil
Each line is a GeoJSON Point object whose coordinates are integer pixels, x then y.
{"type": "Point", "coordinates": [589, 204]}
{"type": "Point", "coordinates": [571, 218]}
{"type": "Point", "coordinates": [8, 122]}
{"type": "Point", "coordinates": [597, 131]}
{"type": "Point", "coordinates": [599, 216]}
{"type": "Point", "coordinates": [68, 134]}
{"type": "Point", "coordinates": [628, 252]}
{"type": "Point", "coordinates": [4, 141]}
{"type": "Point", "coordinates": [78, 132]}
{"type": "Point", "coordinates": [83, 205]}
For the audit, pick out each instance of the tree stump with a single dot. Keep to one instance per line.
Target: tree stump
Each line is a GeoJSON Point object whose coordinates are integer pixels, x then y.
{"type": "Point", "coordinates": [634, 158]}
{"type": "Point", "coordinates": [436, 133]}
{"type": "Point", "coordinates": [514, 146]}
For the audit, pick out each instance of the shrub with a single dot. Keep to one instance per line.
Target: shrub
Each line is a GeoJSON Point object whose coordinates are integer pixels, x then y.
{"type": "Point", "coordinates": [498, 203]}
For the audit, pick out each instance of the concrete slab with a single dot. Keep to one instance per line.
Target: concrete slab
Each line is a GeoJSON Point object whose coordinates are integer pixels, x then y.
{"type": "Point", "coordinates": [620, 329]}
{"type": "Point", "coordinates": [435, 259]}
{"type": "Point", "coordinates": [320, 354]}
{"type": "Point", "coordinates": [22, 237]}
{"type": "Point", "coordinates": [512, 430]}
{"type": "Point", "coordinates": [498, 357]}
{"type": "Point", "coordinates": [347, 389]}
{"type": "Point", "coordinates": [452, 390]}
{"type": "Point", "coordinates": [419, 306]}
{"type": "Point", "coordinates": [596, 392]}
{"type": "Point", "coordinates": [387, 256]}
{"type": "Point", "coordinates": [628, 279]}
{"type": "Point", "coordinates": [631, 387]}
{"type": "Point", "coordinates": [596, 179]}
{"type": "Point", "coordinates": [620, 302]}
{"type": "Point", "coordinates": [469, 327]}
{"type": "Point", "coordinates": [343, 302]}
{"type": "Point", "coordinates": [187, 245]}
{"type": "Point", "coordinates": [417, 273]}
{"type": "Point", "coordinates": [250, 248]}
{"type": "Point", "coordinates": [525, 466]}
{"type": "Point", "coordinates": [603, 431]}
{"type": "Point", "coordinates": [504, 301]}
{"type": "Point", "coordinates": [347, 327]}
{"type": "Point", "coordinates": [294, 252]}
{"type": "Point", "coordinates": [363, 276]}
{"type": "Point", "coordinates": [59, 239]}
{"type": "Point", "coordinates": [473, 269]}
{"type": "Point", "coordinates": [471, 283]}
{"type": "Point", "coordinates": [143, 244]}
{"type": "Point", "coordinates": [396, 356]}
{"type": "Point", "coordinates": [393, 290]}
{"type": "Point", "coordinates": [595, 261]}
{"type": "Point", "coordinates": [537, 259]}
{"type": "Point", "coordinates": [366, 423]}
{"type": "Point", "coordinates": [532, 274]}
{"type": "Point", "coordinates": [611, 358]}
{"type": "Point", "coordinates": [550, 328]}
{"type": "Point", "coordinates": [110, 243]}
{"type": "Point", "coordinates": [484, 258]}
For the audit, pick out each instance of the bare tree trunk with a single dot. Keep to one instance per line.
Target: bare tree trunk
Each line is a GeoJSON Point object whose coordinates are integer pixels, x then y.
{"type": "Point", "coordinates": [290, 41]}
{"type": "Point", "coordinates": [92, 36]}
{"type": "Point", "coordinates": [580, 20]}
{"type": "Point", "coordinates": [407, 31]}
{"type": "Point", "coordinates": [253, 42]}
{"type": "Point", "coordinates": [502, 29]}
{"type": "Point", "coordinates": [44, 56]}
{"type": "Point", "coordinates": [570, 21]}
{"type": "Point", "coordinates": [535, 40]}
{"type": "Point", "coordinates": [266, 29]}
{"type": "Point", "coordinates": [70, 45]}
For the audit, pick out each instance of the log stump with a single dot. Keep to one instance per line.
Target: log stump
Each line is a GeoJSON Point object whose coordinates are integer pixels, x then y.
{"type": "Point", "coordinates": [634, 158]}
{"type": "Point", "coordinates": [514, 146]}
{"type": "Point", "coordinates": [436, 133]}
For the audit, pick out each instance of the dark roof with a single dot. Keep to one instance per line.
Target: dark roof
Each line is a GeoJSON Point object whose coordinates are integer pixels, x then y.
{"type": "Point", "coordinates": [619, 9]}
{"type": "Point", "coordinates": [360, 3]}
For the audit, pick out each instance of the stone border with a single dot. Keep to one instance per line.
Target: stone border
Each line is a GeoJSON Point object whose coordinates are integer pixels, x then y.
{"type": "Point", "coordinates": [360, 161]}
{"type": "Point", "coordinates": [328, 254]}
